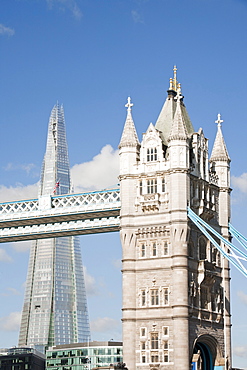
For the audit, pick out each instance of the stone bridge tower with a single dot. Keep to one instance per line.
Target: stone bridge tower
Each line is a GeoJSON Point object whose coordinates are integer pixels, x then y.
{"type": "Point", "coordinates": [176, 294]}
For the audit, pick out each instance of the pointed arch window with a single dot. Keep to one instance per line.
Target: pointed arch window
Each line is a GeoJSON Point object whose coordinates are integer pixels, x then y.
{"type": "Point", "coordinates": [151, 154]}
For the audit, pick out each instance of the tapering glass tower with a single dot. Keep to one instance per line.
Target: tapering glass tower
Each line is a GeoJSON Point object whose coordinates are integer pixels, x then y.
{"type": "Point", "coordinates": [55, 306]}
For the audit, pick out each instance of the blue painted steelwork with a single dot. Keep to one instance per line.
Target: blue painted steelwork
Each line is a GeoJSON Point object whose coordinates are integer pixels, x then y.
{"type": "Point", "coordinates": [86, 193]}
{"type": "Point", "coordinates": [232, 254]}
{"type": "Point", "coordinates": [206, 355]}
{"type": "Point", "coordinates": [240, 238]}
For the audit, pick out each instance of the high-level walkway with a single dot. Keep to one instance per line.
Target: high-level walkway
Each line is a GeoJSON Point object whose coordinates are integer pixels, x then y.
{"type": "Point", "coordinates": [62, 215]}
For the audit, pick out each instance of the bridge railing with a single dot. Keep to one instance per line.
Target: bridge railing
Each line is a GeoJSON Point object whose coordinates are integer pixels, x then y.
{"type": "Point", "coordinates": [52, 205]}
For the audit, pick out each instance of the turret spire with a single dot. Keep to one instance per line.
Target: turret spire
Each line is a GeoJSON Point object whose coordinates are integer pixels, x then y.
{"type": "Point", "coordinates": [219, 151]}
{"type": "Point", "coordinates": [129, 135]}
{"type": "Point", "coordinates": [165, 120]}
{"type": "Point", "coordinates": [178, 129]}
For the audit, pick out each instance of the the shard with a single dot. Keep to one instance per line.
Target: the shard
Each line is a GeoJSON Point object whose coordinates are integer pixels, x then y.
{"type": "Point", "coordinates": [55, 306]}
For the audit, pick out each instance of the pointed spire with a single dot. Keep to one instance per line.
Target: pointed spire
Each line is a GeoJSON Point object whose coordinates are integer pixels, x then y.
{"type": "Point", "coordinates": [219, 151]}
{"type": "Point", "coordinates": [164, 122]}
{"type": "Point", "coordinates": [129, 135]}
{"type": "Point", "coordinates": [178, 129]}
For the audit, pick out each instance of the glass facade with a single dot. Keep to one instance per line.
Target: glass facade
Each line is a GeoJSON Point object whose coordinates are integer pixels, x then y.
{"type": "Point", "coordinates": [55, 305]}
{"type": "Point", "coordinates": [22, 359]}
{"type": "Point", "coordinates": [84, 356]}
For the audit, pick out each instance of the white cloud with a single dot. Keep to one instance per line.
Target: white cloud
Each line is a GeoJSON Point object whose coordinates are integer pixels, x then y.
{"type": "Point", "coordinates": [25, 167]}
{"type": "Point", "coordinates": [4, 257]}
{"type": "Point", "coordinates": [136, 16]}
{"type": "Point", "coordinates": [6, 30]}
{"type": "Point", "coordinates": [242, 296]}
{"type": "Point", "coordinates": [97, 174]}
{"type": "Point", "coordinates": [10, 322]}
{"type": "Point", "coordinates": [22, 246]}
{"type": "Point", "coordinates": [10, 292]}
{"type": "Point", "coordinates": [240, 182]}
{"type": "Point", "coordinates": [240, 351]}
{"type": "Point", "coordinates": [90, 283]}
{"type": "Point", "coordinates": [18, 192]}
{"type": "Point", "coordinates": [62, 5]}
{"type": "Point", "coordinates": [104, 324]}
{"type": "Point", "coordinates": [13, 291]}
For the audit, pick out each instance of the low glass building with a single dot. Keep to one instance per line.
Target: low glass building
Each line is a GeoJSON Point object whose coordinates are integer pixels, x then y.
{"type": "Point", "coordinates": [83, 356]}
{"type": "Point", "coordinates": [21, 359]}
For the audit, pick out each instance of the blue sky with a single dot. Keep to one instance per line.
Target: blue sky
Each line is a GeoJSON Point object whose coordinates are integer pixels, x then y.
{"type": "Point", "coordinates": [91, 55]}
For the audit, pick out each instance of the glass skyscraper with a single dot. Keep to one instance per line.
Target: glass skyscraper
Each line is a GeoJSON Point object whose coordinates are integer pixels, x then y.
{"type": "Point", "coordinates": [55, 306]}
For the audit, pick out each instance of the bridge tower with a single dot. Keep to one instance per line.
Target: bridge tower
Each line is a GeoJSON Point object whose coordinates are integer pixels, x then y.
{"type": "Point", "coordinates": [176, 294]}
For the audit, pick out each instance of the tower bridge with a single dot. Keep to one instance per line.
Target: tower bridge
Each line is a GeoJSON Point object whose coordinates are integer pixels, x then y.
{"type": "Point", "coordinates": [173, 211]}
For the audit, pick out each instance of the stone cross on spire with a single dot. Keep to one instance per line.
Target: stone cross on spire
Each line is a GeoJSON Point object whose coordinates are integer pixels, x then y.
{"type": "Point", "coordinates": [129, 104]}
{"type": "Point", "coordinates": [219, 121]}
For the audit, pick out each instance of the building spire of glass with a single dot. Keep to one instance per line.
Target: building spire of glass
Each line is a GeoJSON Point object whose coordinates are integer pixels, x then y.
{"type": "Point", "coordinates": [55, 306]}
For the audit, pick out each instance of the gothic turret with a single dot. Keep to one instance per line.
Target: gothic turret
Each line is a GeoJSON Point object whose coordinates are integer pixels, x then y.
{"type": "Point", "coordinates": [220, 167]}
{"type": "Point", "coordinates": [178, 129]}
{"type": "Point", "coordinates": [220, 159]}
{"type": "Point", "coordinates": [129, 144]}
{"type": "Point", "coordinates": [129, 135]}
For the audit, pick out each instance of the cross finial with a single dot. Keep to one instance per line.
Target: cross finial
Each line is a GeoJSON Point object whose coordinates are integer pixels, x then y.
{"type": "Point", "coordinates": [129, 104]}
{"type": "Point", "coordinates": [219, 120]}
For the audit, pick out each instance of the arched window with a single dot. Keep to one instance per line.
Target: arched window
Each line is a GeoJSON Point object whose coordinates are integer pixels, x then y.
{"type": "Point", "coordinates": [154, 249]}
